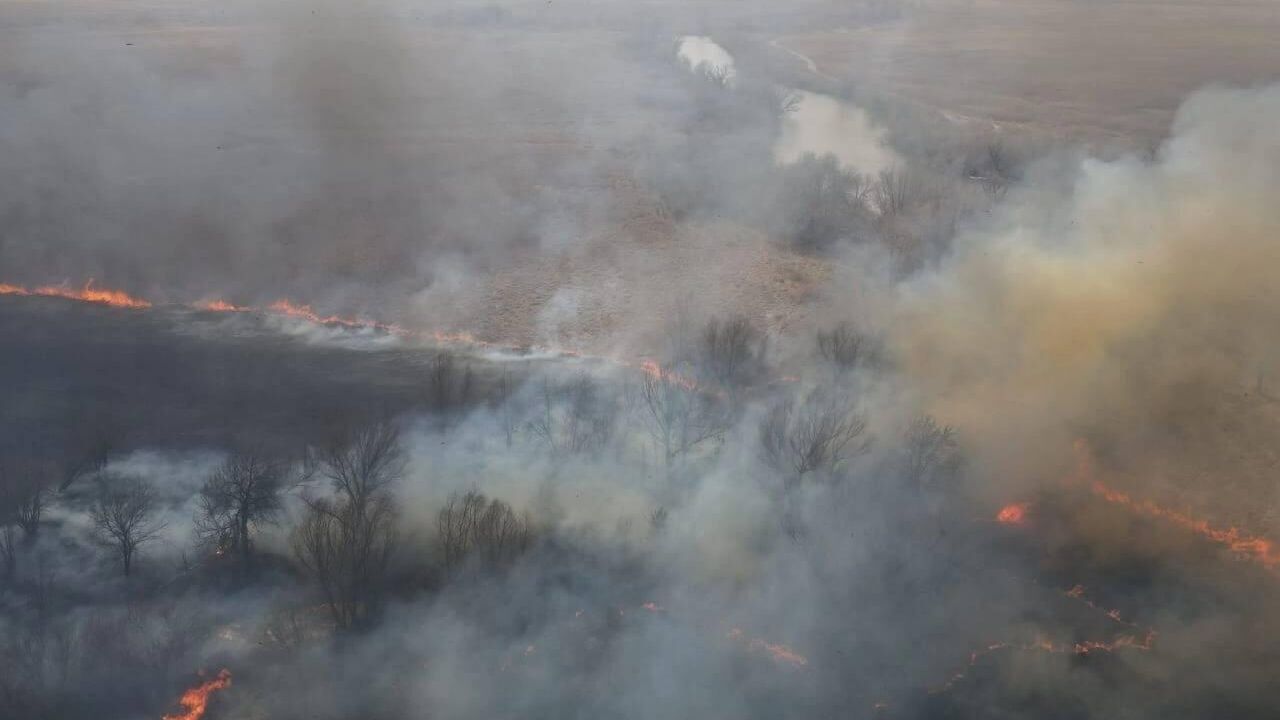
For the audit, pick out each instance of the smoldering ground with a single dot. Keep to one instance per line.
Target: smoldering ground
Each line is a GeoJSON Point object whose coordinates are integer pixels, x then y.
{"type": "Point", "coordinates": [760, 523]}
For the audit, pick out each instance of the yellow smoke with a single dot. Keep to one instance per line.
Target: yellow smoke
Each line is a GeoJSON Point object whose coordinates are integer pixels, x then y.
{"type": "Point", "coordinates": [1125, 298]}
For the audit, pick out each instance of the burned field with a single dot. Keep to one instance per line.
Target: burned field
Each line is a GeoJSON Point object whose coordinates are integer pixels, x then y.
{"type": "Point", "coordinates": [1073, 601]}
{"type": "Point", "coordinates": [710, 359]}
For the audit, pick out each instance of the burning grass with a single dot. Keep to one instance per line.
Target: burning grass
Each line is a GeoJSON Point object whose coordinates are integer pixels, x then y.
{"type": "Point", "coordinates": [88, 293]}
{"type": "Point", "coordinates": [195, 701]}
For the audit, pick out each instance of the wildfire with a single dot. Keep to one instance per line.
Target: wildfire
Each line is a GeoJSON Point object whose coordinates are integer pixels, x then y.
{"type": "Point", "coordinates": [1254, 547]}
{"type": "Point", "coordinates": [1128, 640]}
{"type": "Point", "coordinates": [220, 306]}
{"type": "Point", "coordinates": [196, 700]}
{"type": "Point", "coordinates": [302, 311]}
{"type": "Point", "coordinates": [781, 654]}
{"type": "Point", "coordinates": [1077, 593]}
{"type": "Point", "coordinates": [458, 338]}
{"type": "Point", "coordinates": [1243, 544]}
{"type": "Point", "coordinates": [88, 293]}
{"type": "Point", "coordinates": [1013, 513]}
{"type": "Point", "coordinates": [1045, 645]}
{"type": "Point", "coordinates": [657, 372]}
{"type": "Point", "coordinates": [285, 307]}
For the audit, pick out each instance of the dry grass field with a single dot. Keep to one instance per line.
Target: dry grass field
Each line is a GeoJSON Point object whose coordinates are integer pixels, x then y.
{"type": "Point", "coordinates": [1111, 69]}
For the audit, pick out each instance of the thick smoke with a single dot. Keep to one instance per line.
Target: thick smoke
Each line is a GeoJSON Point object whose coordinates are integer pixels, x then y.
{"type": "Point", "coordinates": [437, 165]}
{"type": "Point", "coordinates": [1126, 299]}
{"type": "Point", "coordinates": [565, 175]}
{"type": "Point", "coordinates": [322, 151]}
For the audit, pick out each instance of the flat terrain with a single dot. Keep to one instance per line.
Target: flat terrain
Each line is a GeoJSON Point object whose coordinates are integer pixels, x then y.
{"type": "Point", "coordinates": [1082, 69]}
{"type": "Point", "coordinates": [510, 148]}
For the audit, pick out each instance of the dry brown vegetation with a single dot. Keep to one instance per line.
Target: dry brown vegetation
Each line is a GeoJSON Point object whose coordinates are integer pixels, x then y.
{"type": "Point", "coordinates": [1083, 69]}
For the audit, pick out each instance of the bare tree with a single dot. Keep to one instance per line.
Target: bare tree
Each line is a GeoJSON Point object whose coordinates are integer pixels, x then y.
{"type": "Point", "coordinates": [346, 548]}
{"type": "Point", "coordinates": [504, 403]}
{"type": "Point", "coordinates": [471, 523]}
{"type": "Point", "coordinates": [8, 548]}
{"type": "Point", "coordinates": [345, 541]}
{"type": "Point", "coordinates": [124, 517]}
{"type": "Point", "coordinates": [543, 425]}
{"type": "Point", "coordinates": [501, 535]}
{"type": "Point", "coordinates": [658, 520]}
{"type": "Point", "coordinates": [993, 166]}
{"type": "Point", "coordinates": [31, 510]}
{"type": "Point", "coordinates": [13, 501]}
{"type": "Point", "coordinates": [732, 351]}
{"type": "Point", "coordinates": [449, 385]}
{"type": "Point", "coordinates": [242, 494]}
{"type": "Point", "coordinates": [678, 416]}
{"type": "Point", "coordinates": [896, 191]}
{"type": "Point", "coordinates": [932, 455]}
{"type": "Point", "coordinates": [821, 203]}
{"type": "Point", "coordinates": [575, 417]}
{"type": "Point", "coordinates": [455, 526]}
{"type": "Point", "coordinates": [362, 463]}
{"type": "Point", "coordinates": [843, 348]}
{"type": "Point", "coordinates": [815, 436]}
{"type": "Point", "coordinates": [24, 493]}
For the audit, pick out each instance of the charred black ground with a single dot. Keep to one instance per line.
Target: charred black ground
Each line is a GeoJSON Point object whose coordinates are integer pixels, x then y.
{"type": "Point", "coordinates": [572, 606]}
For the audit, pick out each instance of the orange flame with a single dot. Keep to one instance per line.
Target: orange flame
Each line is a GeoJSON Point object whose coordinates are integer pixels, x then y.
{"type": "Point", "coordinates": [781, 654]}
{"type": "Point", "coordinates": [196, 700]}
{"type": "Point", "coordinates": [1243, 544]}
{"type": "Point", "coordinates": [1240, 542]}
{"type": "Point", "coordinates": [1043, 644]}
{"type": "Point", "coordinates": [114, 298]}
{"type": "Point", "coordinates": [285, 307]}
{"type": "Point", "coordinates": [220, 306]}
{"type": "Point", "coordinates": [305, 312]}
{"type": "Point", "coordinates": [657, 372]}
{"type": "Point", "coordinates": [1013, 513]}
{"type": "Point", "coordinates": [1077, 593]}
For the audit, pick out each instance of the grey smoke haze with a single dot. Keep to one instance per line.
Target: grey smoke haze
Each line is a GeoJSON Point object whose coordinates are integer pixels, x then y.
{"type": "Point", "coordinates": [346, 155]}
{"type": "Point", "coordinates": [564, 172]}
{"type": "Point", "coordinates": [310, 149]}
